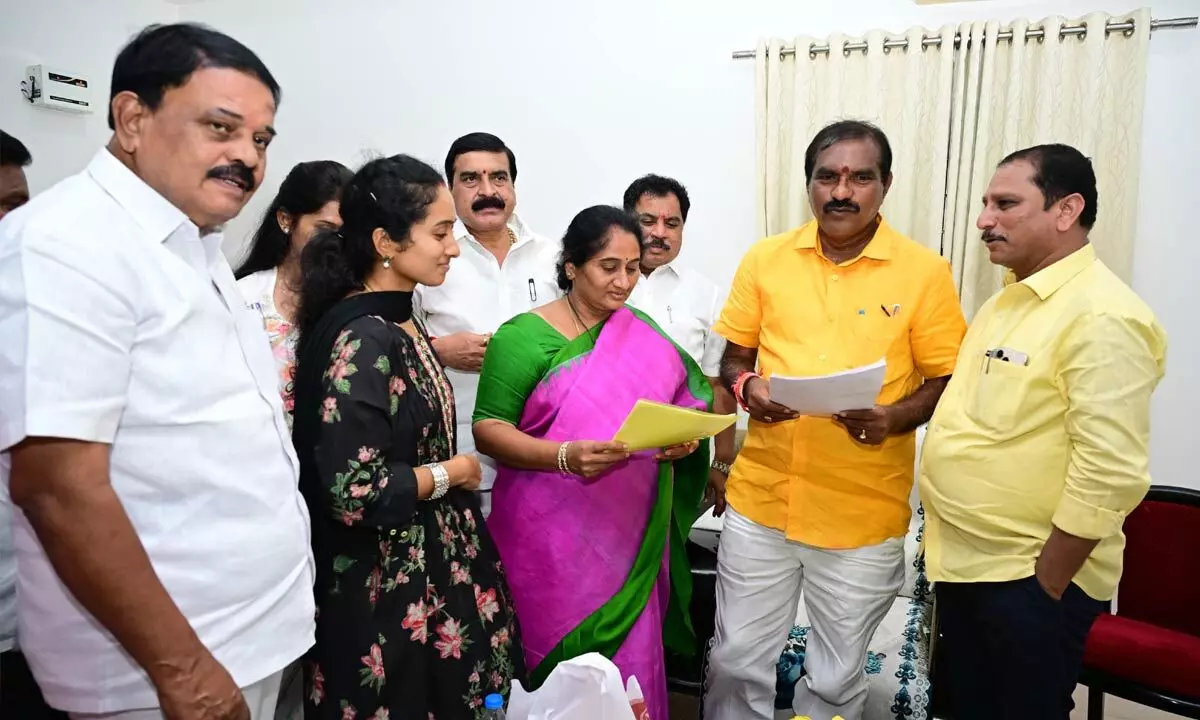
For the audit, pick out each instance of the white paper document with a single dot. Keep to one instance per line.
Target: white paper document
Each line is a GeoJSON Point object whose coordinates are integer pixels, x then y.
{"type": "Point", "coordinates": [825, 395]}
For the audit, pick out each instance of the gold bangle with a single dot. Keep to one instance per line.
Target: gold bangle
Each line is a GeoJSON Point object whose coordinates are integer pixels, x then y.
{"type": "Point", "coordinates": [563, 465]}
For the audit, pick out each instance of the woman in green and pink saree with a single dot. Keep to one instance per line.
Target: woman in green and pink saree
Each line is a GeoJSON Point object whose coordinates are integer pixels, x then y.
{"type": "Point", "coordinates": [591, 535]}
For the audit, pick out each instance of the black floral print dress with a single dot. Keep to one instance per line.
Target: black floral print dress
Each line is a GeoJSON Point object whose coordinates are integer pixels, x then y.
{"type": "Point", "coordinates": [414, 617]}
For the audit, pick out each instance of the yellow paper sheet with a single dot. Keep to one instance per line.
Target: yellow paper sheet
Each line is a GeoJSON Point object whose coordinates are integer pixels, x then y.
{"type": "Point", "coordinates": [658, 425]}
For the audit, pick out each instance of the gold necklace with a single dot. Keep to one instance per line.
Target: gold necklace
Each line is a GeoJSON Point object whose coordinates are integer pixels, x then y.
{"type": "Point", "coordinates": [512, 237]}
{"type": "Point", "coordinates": [367, 287]}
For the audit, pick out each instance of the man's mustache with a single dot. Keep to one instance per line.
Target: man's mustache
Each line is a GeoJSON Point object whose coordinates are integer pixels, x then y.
{"type": "Point", "coordinates": [236, 172]}
{"type": "Point", "coordinates": [840, 205]}
{"type": "Point", "coordinates": [658, 244]}
{"type": "Point", "coordinates": [988, 236]}
{"type": "Point", "coordinates": [489, 202]}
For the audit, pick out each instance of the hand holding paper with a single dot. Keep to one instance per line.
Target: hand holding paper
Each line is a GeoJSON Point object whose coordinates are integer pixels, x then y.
{"type": "Point", "coordinates": [652, 425]}
{"type": "Point", "coordinates": [828, 395]}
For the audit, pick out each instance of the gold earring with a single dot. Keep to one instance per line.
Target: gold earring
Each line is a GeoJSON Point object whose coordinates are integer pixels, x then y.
{"type": "Point", "coordinates": [387, 262]}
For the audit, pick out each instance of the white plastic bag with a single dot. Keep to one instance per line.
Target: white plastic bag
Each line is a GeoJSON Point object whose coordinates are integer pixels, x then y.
{"type": "Point", "coordinates": [588, 687]}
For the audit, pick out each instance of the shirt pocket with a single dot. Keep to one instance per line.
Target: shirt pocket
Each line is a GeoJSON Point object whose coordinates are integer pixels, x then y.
{"type": "Point", "coordinates": [879, 335]}
{"type": "Point", "coordinates": [1001, 388]}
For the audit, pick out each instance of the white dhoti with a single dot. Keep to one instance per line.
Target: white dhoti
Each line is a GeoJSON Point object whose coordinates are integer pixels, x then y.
{"type": "Point", "coordinates": [761, 576]}
{"type": "Point", "coordinates": [261, 697]}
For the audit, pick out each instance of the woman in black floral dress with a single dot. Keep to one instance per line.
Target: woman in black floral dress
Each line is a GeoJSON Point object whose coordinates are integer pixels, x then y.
{"type": "Point", "coordinates": [414, 618]}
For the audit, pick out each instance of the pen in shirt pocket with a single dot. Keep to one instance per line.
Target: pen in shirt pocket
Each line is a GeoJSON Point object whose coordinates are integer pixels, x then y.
{"type": "Point", "coordinates": [532, 291]}
{"type": "Point", "coordinates": [893, 312]}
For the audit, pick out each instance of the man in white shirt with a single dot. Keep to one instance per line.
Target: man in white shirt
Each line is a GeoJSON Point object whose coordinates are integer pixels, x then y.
{"type": "Point", "coordinates": [20, 696]}
{"type": "Point", "coordinates": [683, 302]}
{"type": "Point", "coordinates": [163, 558]}
{"type": "Point", "coordinates": [505, 269]}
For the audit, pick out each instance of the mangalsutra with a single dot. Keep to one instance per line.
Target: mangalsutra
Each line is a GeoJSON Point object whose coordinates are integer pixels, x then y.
{"type": "Point", "coordinates": [583, 328]}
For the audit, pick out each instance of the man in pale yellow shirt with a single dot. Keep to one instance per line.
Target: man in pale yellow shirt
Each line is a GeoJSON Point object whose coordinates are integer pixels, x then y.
{"type": "Point", "coordinates": [820, 504]}
{"type": "Point", "coordinates": [1038, 449]}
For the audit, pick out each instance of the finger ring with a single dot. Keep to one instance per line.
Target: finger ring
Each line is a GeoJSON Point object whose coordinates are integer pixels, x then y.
{"type": "Point", "coordinates": [862, 434]}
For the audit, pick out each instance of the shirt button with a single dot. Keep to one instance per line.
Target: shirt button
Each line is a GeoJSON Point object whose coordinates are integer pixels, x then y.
{"type": "Point", "coordinates": [821, 358]}
{"type": "Point", "coordinates": [833, 278]}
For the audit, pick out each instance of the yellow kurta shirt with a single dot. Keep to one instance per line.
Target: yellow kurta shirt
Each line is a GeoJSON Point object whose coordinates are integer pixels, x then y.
{"type": "Point", "coordinates": [809, 316]}
{"type": "Point", "coordinates": [1013, 449]}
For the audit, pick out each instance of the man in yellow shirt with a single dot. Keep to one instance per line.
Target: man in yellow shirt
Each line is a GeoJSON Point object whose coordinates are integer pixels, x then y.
{"type": "Point", "coordinates": [821, 504]}
{"type": "Point", "coordinates": [1038, 449]}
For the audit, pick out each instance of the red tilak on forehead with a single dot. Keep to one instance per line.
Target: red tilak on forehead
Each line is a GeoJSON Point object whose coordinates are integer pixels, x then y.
{"type": "Point", "coordinates": [845, 170]}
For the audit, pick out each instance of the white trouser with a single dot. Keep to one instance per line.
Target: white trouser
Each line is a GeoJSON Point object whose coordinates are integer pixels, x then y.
{"type": "Point", "coordinates": [760, 575]}
{"type": "Point", "coordinates": [261, 697]}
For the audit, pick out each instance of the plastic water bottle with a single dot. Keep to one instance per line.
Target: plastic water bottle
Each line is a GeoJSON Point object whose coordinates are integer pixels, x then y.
{"type": "Point", "coordinates": [494, 705]}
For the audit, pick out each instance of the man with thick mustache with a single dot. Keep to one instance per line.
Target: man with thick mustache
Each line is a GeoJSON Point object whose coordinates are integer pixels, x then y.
{"type": "Point", "coordinates": [1038, 450]}
{"type": "Point", "coordinates": [505, 269]}
{"type": "Point", "coordinates": [821, 504]}
{"type": "Point", "coordinates": [162, 544]}
{"type": "Point", "coordinates": [682, 301]}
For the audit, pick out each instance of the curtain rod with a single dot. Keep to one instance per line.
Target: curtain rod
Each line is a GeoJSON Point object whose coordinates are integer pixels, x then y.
{"type": "Point", "coordinates": [1120, 26]}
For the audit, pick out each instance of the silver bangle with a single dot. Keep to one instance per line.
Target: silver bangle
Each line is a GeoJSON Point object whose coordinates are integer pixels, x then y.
{"type": "Point", "coordinates": [441, 480]}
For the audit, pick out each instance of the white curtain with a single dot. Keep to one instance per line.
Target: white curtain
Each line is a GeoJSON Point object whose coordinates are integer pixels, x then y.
{"type": "Point", "coordinates": [906, 91]}
{"type": "Point", "coordinates": [953, 112]}
{"type": "Point", "coordinates": [1083, 90]}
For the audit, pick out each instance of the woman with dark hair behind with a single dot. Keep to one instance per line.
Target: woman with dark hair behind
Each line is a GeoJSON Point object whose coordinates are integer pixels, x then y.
{"type": "Point", "coordinates": [413, 613]}
{"type": "Point", "coordinates": [592, 537]}
{"type": "Point", "coordinates": [269, 277]}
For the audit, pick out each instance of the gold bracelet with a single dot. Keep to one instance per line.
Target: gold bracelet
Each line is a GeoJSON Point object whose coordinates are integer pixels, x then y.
{"type": "Point", "coordinates": [563, 465]}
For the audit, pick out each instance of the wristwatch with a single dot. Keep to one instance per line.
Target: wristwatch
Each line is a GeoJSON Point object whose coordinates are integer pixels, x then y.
{"type": "Point", "coordinates": [723, 467]}
{"type": "Point", "coordinates": [441, 481]}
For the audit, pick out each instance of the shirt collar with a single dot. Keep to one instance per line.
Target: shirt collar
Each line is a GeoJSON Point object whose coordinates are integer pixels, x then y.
{"type": "Point", "coordinates": [515, 223]}
{"type": "Point", "coordinates": [880, 247]}
{"type": "Point", "coordinates": [668, 269]}
{"type": "Point", "coordinates": [1048, 280]}
{"type": "Point", "coordinates": [153, 212]}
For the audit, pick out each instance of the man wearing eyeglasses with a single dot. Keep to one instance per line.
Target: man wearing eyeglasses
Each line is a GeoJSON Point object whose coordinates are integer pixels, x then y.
{"type": "Point", "coordinates": [505, 269]}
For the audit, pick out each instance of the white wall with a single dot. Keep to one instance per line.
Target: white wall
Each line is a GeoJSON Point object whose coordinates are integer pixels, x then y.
{"type": "Point", "coordinates": [592, 94]}
{"type": "Point", "coordinates": [78, 36]}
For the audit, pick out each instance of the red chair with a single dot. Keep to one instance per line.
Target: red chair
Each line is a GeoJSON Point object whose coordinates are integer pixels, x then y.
{"type": "Point", "coordinates": [1148, 651]}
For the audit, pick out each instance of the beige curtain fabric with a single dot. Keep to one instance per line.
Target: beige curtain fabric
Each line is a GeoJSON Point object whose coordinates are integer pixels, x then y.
{"type": "Point", "coordinates": [1082, 90]}
{"type": "Point", "coordinates": [904, 90]}
{"type": "Point", "coordinates": [951, 114]}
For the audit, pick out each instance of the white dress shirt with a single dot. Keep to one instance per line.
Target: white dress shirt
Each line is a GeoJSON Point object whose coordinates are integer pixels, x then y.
{"type": "Point", "coordinates": [120, 324]}
{"type": "Point", "coordinates": [685, 304]}
{"type": "Point", "coordinates": [479, 295]}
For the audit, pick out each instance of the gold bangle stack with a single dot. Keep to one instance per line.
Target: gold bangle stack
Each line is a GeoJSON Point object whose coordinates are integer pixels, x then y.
{"type": "Point", "coordinates": [563, 466]}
